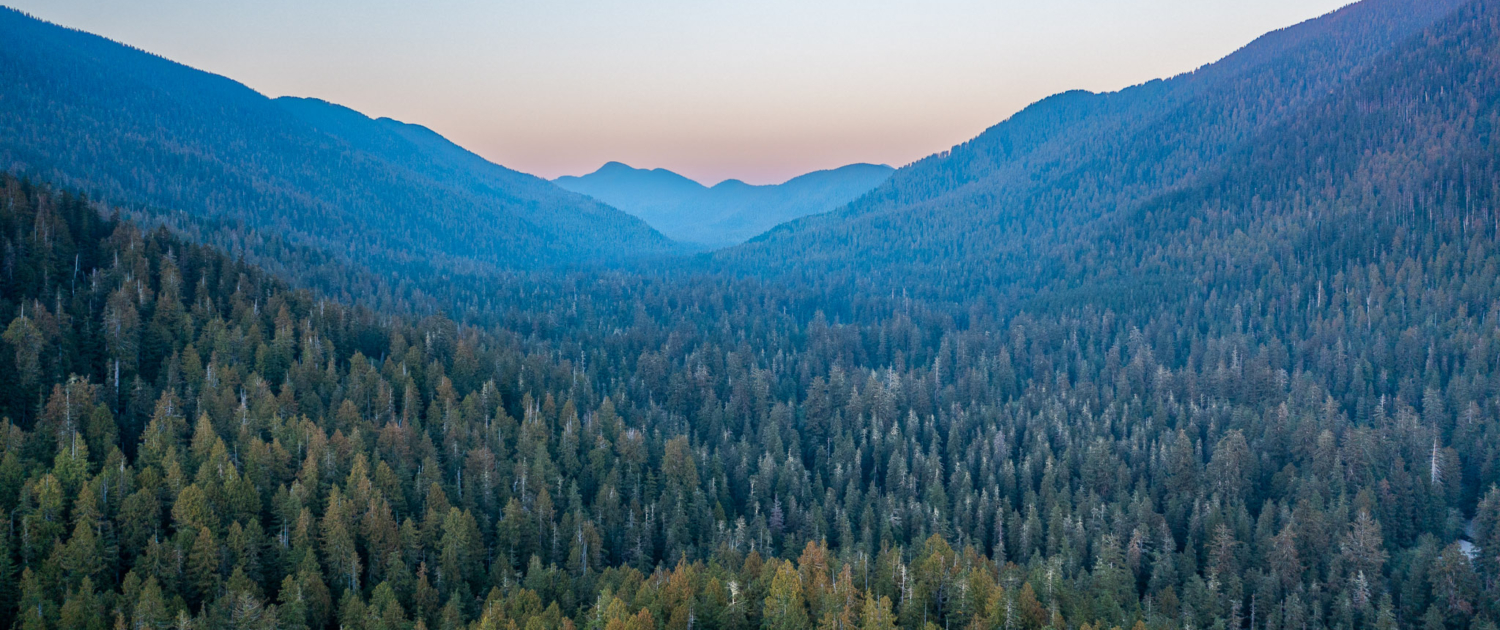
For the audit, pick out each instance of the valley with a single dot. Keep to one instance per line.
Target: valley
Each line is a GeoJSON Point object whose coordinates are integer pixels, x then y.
{"type": "Point", "coordinates": [1220, 350]}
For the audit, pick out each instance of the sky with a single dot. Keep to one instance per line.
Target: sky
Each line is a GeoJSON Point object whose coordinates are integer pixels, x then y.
{"type": "Point", "coordinates": [757, 90]}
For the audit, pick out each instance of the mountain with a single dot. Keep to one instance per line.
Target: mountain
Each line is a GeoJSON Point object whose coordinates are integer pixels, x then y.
{"type": "Point", "coordinates": [995, 214]}
{"type": "Point", "coordinates": [728, 213]}
{"type": "Point", "coordinates": [1231, 360]}
{"type": "Point", "coordinates": [139, 130]}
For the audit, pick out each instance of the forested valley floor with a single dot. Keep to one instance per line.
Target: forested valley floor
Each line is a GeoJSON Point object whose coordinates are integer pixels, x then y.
{"type": "Point", "coordinates": [190, 443]}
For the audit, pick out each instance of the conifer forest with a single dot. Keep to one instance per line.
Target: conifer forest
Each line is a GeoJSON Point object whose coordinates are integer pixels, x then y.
{"type": "Point", "coordinates": [1216, 352]}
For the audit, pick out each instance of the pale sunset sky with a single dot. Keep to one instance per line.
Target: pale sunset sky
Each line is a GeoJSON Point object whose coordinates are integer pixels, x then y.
{"type": "Point", "coordinates": [713, 89]}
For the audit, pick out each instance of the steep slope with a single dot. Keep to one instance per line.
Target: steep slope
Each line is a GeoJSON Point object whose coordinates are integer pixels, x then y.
{"type": "Point", "coordinates": [975, 217]}
{"type": "Point", "coordinates": [730, 212]}
{"type": "Point", "coordinates": [1405, 161]}
{"type": "Point", "coordinates": [137, 129]}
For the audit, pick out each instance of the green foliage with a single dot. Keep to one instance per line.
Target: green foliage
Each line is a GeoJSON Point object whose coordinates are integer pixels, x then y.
{"type": "Point", "coordinates": [1288, 421]}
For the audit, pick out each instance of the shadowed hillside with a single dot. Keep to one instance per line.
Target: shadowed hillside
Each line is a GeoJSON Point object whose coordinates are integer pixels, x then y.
{"type": "Point", "coordinates": [139, 130]}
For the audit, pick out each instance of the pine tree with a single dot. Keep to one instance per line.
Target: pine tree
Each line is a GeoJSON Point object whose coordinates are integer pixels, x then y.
{"type": "Point", "coordinates": [1284, 560]}
{"type": "Point", "coordinates": [82, 557]}
{"type": "Point", "coordinates": [461, 547]}
{"type": "Point", "coordinates": [27, 339]}
{"type": "Point", "coordinates": [877, 615]}
{"type": "Point", "coordinates": [785, 608]}
{"type": "Point", "coordinates": [1110, 582]}
{"type": "Point", "coordinates": [1454, 585]}
{"type": "Point", "coordinates": [203, 562]}
{"type": "Point", "coordinates": [150, 612]}
{"type": "Point", "coordinates": [8, 592]}
{"type": "Point", "coordinates": [425, 601]}
{"type": "Point", "coordinates": [339, 552]}
{"type": "Point", "coordinates": [81, 608]}
{"type": "Point", "coordinates": [36, 610]}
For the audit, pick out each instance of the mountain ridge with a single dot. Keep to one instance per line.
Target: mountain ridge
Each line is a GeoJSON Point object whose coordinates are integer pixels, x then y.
{"type": "Point", "coordinates": [140, 130]}
{"type": "Point", "coordinates": [729, 211]}
{"type": "Point", "coordinates": [1076, 156]}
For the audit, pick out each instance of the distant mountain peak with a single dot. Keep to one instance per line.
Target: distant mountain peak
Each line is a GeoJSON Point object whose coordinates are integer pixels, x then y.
{"type": "Point", "coordinates": [730, 211]}
{"type": "Point", "coordinates": [615, 166]}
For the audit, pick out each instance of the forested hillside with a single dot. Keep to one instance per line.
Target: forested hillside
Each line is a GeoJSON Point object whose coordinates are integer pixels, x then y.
{"type": "Point", "coordinates": [1238, 368]}
{"type": "Point", "coordinates": [1076, 159]}
{"type": "Point", "coordinates": [145, 132]}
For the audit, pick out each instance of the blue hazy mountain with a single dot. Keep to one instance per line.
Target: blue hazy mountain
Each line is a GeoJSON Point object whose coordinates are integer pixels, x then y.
{"type": "Point", "coordinates": [728, 213]}
{"type": "Point", "coordinates": [136, 129]}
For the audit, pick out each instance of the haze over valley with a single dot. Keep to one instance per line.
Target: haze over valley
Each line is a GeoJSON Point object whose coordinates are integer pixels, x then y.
{"type": "Point", "coordinates": [728, 213]}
